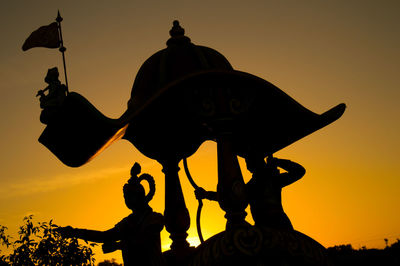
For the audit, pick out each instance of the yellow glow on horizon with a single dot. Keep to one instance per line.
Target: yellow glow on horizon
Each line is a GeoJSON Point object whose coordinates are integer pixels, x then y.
{"type": "Point", "coordinates": [193, 242]}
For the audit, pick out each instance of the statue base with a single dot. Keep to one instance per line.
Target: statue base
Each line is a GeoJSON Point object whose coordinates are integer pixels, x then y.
{"type": "Point", "coordinates": [253, 245]}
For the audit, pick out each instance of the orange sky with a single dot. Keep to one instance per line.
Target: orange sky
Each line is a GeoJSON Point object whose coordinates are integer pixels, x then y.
{"type": "Point", "coordinates": [321, 53]}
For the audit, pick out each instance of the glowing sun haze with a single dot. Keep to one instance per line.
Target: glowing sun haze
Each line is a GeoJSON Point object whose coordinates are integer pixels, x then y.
{"type": "Point", "coordinates": [321, 53]}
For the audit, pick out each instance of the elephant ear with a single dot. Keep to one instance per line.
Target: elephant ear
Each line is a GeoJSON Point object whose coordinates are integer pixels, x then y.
{"type": "Point", "coordinates": [152, 186]}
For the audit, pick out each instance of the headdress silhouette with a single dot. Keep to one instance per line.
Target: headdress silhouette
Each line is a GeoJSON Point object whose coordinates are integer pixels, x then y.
{"type": "Point", "coordinates": [134, 184]}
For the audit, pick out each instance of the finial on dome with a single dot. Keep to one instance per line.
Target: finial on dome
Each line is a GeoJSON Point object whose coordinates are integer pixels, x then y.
{"type": "Point", "coordinates": [176, 30]}
{"type": "Point", "coordinates": [177, 34]}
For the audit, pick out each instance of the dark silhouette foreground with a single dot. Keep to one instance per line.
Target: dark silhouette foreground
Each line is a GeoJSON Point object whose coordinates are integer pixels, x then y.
{"type": "Point", "coordinates": [345, 255]}
{"type": "Point", "coordinates": [51, 249]}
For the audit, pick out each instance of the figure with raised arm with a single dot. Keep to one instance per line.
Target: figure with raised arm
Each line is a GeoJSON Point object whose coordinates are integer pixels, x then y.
{"type": "Point", "coordinates": [264, 190]}
{"type": "Point", "coordinates": [137, 235]}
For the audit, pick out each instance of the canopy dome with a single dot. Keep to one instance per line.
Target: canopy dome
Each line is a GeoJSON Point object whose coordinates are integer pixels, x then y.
{"type": "Point", "coordinates": [180, 59]}
{"type": "Point", "coordinates": [186, 94]}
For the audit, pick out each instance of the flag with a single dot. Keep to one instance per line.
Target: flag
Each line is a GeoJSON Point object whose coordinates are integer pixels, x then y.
{"type": "Point", "coordinates": [45, 36]}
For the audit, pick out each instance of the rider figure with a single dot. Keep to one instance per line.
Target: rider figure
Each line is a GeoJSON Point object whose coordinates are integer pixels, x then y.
{"type": "Point", "coordinates": [51, 102]}
{"type": "Point", "coordinates": [57, 91]}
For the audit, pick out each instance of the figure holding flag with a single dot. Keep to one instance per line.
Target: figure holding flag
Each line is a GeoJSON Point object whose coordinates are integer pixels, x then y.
{"type": "Point", "coordinates": [51, 103]}
{"type": "Point", "coordinates": [75, 130]}
{"type": "Point", "coordinates": [49, 36]}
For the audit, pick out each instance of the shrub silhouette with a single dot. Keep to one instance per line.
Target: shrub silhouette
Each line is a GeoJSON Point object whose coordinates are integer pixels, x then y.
{"type": "Point", "coordinates": [41, 244]}
{"type": "Point", "coordinates": [111, 262]}
{"type": "Point", "coordinates": [345, 255]}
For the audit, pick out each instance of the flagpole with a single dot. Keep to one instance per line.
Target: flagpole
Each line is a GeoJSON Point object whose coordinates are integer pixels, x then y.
{"type": "Point", "coordinates": [62, 48]}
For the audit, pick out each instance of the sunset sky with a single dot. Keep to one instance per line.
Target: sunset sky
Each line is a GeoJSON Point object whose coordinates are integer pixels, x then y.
{"type": "Point", "coordinates": [321, 53]}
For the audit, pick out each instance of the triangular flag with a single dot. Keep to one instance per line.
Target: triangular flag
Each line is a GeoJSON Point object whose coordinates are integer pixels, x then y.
{"type": "Point", "coordinates": [45, 36]}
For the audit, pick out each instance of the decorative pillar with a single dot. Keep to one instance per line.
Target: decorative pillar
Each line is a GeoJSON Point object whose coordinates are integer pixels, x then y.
{"type": "Point", "coordinates": [177, 219]}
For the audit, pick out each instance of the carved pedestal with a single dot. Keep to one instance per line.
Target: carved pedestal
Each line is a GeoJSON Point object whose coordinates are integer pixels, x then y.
{"type": "Point", "coordinates": [177, 219]}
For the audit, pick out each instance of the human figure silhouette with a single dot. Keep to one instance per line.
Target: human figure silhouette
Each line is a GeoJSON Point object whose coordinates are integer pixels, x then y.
{"type": "Point", "coordinates": [51, 102]}
{"type": "Point", "coordinates": [265, 188]}
{"type": "Point", "coordinates": [137, 235]}
{"type": "Point", "coordinates": [56, 90]}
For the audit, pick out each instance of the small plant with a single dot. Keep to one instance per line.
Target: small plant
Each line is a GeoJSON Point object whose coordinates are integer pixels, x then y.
{"type": "Point", "coordinates": [41, 244]}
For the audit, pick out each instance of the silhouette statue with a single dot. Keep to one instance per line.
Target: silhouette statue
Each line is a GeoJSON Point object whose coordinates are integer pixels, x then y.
{"type": "Point", "coordinates": [51, 102]}
{"type": "Point", "coordinates": [264, 189]}
{"type": "Point", "coordinates": [192, 94]}
{"type": "Point", "coordinates": [137, 235]}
